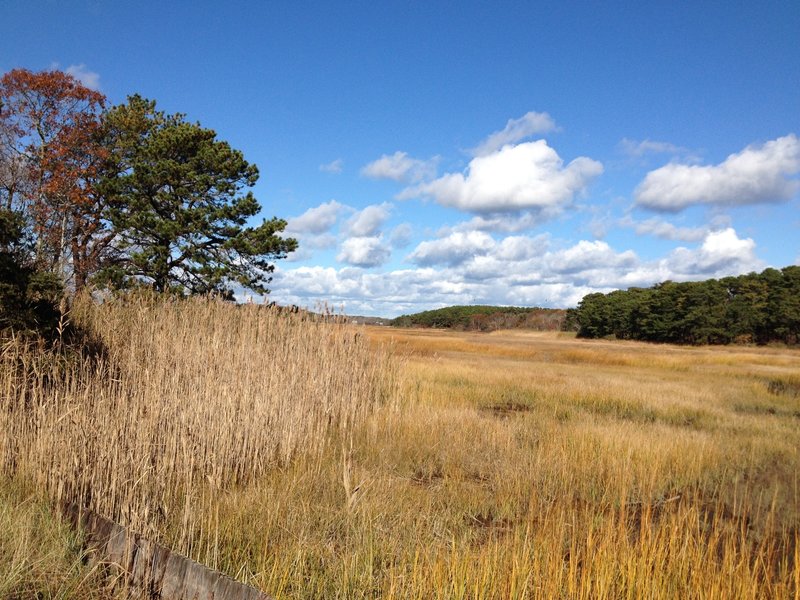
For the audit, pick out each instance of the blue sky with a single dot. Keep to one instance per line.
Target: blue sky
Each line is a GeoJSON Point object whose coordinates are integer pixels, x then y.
{"type": "Point", "coordinates": [429, 154]}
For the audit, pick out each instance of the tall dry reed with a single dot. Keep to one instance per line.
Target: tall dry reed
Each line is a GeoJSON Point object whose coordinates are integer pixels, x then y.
{"type": "Point", "coordinates": [184, 401]}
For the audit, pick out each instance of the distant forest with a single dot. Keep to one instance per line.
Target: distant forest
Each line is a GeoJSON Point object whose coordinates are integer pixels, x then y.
{"type": "Point", "coordinates": [486, 318]}
{"type": "Point", "coordinates": [756, 308]}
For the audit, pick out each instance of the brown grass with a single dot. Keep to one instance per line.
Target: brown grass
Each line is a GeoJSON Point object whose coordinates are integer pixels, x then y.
{"type": "Point", "coordinates": [194, 399]}
{"type": "Point", "coordinates": [40, 556]}
{"type": "Point", "coordinates": [512, 464]}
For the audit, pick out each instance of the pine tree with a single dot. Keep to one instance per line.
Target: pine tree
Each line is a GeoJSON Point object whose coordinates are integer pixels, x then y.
{"type": "Point", "coordinates": [177, 201]}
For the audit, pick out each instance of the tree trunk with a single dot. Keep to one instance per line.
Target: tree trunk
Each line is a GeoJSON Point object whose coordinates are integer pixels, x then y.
{"type": "Point", "coordinates": [79, 265]}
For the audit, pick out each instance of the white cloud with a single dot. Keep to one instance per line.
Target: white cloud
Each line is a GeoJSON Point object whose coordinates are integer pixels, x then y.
{"type": "Point", "coordinates": [302, 253]}
{"type": "Point", "coordinates": [315, 220]}
{"type": "Point", "coordinates": [305, 282]}
{"type": "Point", "coordinates": [307, 243]}
{"type": "Point", "coordinates": [334, 166]}
{"type": "Point", "coordinates": [401, 235]}
{"type": "Point", "coordinates": [585, 256]}
{"type": "Point", "coordinates": [520, 247]}
{"type": "Point", "coordinates": [399, 290]}
{"type": "Point", "coordinates": [368, 222]}
{"type": "Point", "coordinates": [665, 230]}
{"type": "Point", "coordinates": [722, 253]}
{"type": "Point", "coordinates": [364, 252]}
{"type": "Point", "coordinates": [312, 229]}
{"type": "Point", "coordinates": [411, 290]}
{"type": "Point", "coordinates": [516, 270]}
{"type": "Point", "coordinates": [88, 78]}
{"type": "Point", "coordinates": [477, 247]}
{"type": "Point", "coordinates": [511, 222]}
{"type": "Point", "coordinates": [452, 250]}
{"type": "Point", "coordinates": [401, 167]}
{"type": "Point", "coordinates": [530, 176]}
{"type": "Point", "coordinates": [515, 131]}
{"type": "Point", "coordinates": [512, 256]}
{"type": "Point", "coordinates": [756, 174]}
{"type": "Point", "coordinates": [636, 149]}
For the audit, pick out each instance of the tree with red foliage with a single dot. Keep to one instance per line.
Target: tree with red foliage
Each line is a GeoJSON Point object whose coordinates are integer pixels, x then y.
{"type": "Point", "coordinates": [51, 156]}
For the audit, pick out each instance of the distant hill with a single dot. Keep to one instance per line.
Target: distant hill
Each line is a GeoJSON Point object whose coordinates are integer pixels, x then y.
{"type": "Point", "coordinates": [486, 318]}
{"type": "Point", "coordinates": [362, 320]}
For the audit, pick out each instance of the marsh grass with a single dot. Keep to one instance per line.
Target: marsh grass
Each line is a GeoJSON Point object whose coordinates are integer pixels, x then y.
{"type": "Point", "coordinates": [188, 401]}
{"type": "Point", "coordinates": [503, 465]}
{"type": "Point", "coordinates": [40, 556]}
{"type": "Point", "coordinates": [523, 473]}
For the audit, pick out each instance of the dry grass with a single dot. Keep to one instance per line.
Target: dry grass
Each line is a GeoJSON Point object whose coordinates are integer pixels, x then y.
{"type": "Point", "coordinates": [513, 465]}
{"type": "Point", "coordinates": [40, 557]}
{"type": "Point", "coordinates": [192, 400]}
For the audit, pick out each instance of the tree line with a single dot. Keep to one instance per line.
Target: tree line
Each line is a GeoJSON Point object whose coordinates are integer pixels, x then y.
{"type": "Point", "coordinates": [485, 318]}
{"type": "Point", "coordinates": [755, 308]}
{"type": "Point", "coordinates": [120, 197]}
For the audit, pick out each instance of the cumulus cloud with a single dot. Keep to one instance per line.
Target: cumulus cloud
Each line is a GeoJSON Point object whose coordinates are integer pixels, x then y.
{"type": "Point", "coordinates": [386, 293]}
{"type": "Point", "coordinates": [523, 259]}
{"type": "Point", "coordinates": [334, 166]}
{"type": "Point", "coordinates": [302, 253]}
{"type": "Point", "coordinates": [368, 222]}
{"type": "Point", "coordinates": [480, 250]}
{"type": "Point", "coordinates": [585, 256]}
{"type": "Point", "coordinates": [364, 252]}
{"type": "Point", "coordinates": [517, 270]}
{"type": "Point", "coordinates": [665, 230]}
{"type": "Point", "coordinates": [401, 235]}
{"type": "Point", "coordinates": [722, 253]}
{"type": "Point", "coordinates": [757, 174]}
{"type": "Point", "coordinates": [364, 292]}
{"type": "Point", "coordinates": [512, 256]}
{"type": "Point", "coordinates": [410, 290]}
{"type": "Point", "coordinates": [88, 78]}
{"type": "Point", "coordinates": [529, 176]}
{"type": "Point", "coordinates": [315, 220]}
{"type": "Point", "coordinates": [511, 222]}
{"type": "Point", "coordinates": [401, 167]}
{"type": "Point", "coordinates": [531, 123]}
{"type": "Point", "coordinates": [452, 250]}
{"type": "Point", "coordinates": [519, 247]}
{"type": "Point", "coordinates": [310, 242]}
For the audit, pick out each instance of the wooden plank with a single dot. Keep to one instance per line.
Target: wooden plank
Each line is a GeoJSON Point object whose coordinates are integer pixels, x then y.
{"type": "Point", "coordinates": [153, 570]}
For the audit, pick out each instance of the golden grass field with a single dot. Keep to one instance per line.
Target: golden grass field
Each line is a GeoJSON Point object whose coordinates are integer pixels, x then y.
{"type": "Point", "coordinates": [321, 460]}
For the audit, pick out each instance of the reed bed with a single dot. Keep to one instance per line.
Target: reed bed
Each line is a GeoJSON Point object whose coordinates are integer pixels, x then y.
{"type": "Point", "coordinates": [179, 402]}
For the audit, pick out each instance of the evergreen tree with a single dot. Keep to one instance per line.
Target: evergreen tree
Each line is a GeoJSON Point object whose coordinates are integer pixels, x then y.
{"type": "Point", "coordinates": [28, 297]}
{"type": "Point", "coordinates": [176, 200]}
{"type": "Point", "coordinates": [762, 307]}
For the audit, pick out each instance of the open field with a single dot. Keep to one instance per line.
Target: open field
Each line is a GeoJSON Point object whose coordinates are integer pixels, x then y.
{"type": "Point", "coordinates": [571, 468]}
{"type": "Point", "coordinates": [503, 465]}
